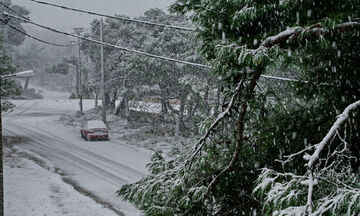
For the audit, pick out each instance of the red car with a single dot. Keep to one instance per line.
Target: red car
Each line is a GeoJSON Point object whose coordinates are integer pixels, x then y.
{"type": "Point", "coordinates": [95, 130]}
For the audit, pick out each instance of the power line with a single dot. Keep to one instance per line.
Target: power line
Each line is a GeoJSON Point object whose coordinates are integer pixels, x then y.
{"type": "Point", "coordinates": [143, 53]}
{"type": "Point", "coordinates": [35, 38]}
{"type": "Point", "coordinates": [14, 11]}
{"type": "Point", "coordinates": [115, 17]}
{"type": "Point", "coordinates": [130, 50]}
{"type": "Point", "coordinates": [113, 46]}
{"type": "Point", "coordinates": [24, 17]}
{"type": "Point", "coordinates": [30, 36]}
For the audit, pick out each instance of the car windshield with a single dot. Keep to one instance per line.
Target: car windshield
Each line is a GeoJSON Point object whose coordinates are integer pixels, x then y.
{"type": "Point", "coordinates": [95, 124]}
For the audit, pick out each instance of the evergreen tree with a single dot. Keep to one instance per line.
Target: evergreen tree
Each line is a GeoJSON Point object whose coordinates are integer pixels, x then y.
{"type": "Point", "coordinates": [259, 122]}
{"type": "Point", "coordinates": [137, 78]}
{"type": "Point", "coordinates": [9, 38]}
{"type": "Point", "coordinates": [8, 87]}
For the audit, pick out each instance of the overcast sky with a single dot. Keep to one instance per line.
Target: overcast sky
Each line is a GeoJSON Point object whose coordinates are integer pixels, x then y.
{"type": "Point", "coordinates": [64, 19]}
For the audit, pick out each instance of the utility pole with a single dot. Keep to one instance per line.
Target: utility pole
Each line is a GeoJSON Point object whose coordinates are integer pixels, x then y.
{"type": "Point", "coordinates": [1, 159]}
{"type": "Point", "coordinates": [79, 80]}
{"type": "Point", "coordinates": [2, 213]}
{"type": "Point", "coordinates": [102, 73]}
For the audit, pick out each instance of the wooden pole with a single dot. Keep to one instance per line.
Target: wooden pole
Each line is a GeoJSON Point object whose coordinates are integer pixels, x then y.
{"type": "Point", "coordinates": [102, 73]}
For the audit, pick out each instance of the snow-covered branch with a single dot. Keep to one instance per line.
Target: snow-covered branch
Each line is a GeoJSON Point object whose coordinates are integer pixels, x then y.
{"type": "Point", "coordinates": [201, 142]}
{"type": "Point", "coordinates": [315, 156]}
{"type": "Point", "coordinates": [276, 39]}
{"type": "Point", "coordinates": [338, 186]}
{"type": "Point", "coordinates": [240, 124]}
{"type": "Point", "coordinates": [339, 122]}
{"type": "Point", "coordinates": [311, 31]}
{"type": "Point", "coordinates": [289, 158]}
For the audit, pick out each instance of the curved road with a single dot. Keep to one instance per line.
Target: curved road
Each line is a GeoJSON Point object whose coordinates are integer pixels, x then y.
{"type": "Point", "coordinates": [97, 168]}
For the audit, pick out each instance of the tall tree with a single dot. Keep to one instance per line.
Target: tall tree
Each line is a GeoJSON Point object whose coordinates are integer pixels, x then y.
{"type": "Point", "coordinates": [258, 123]}
{"type": "Point", "coordinates": [10, 36]}
{"type": "Point", "coordinates": [135, 77]}
{"type": "Point", "coordinates": [9, 39]}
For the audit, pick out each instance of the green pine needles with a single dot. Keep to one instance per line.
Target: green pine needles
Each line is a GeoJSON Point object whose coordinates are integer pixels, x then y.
{"type": "Point", "coordinates": [240, 164]}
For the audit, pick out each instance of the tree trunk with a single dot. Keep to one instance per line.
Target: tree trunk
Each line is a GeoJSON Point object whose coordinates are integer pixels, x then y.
{"type": "Point", "coordinates": [127, 108]}
{"type": "Point", "coordinates": [118, 108]}
{"type": "Point", "coordinates": [96, 100]}
{"type": "Point", "coordinates": [106, 102]}
{"type": "Point", "coordinates": [27, 83]}
{"type": "Point", "coordinates": [113, 100]}
{"type": "Point", "coordinates": [122, 106]}
{"type": "Point", "coordinates": [164, 106]}
{"type": "Point", "coordinates": [206, 101]}
{"type": "Point", "coordinates": [179, 126]}
{"type": "Point", "coordinates": [77, 88]}
{"type": "Point", "coordinates": [217, 103]}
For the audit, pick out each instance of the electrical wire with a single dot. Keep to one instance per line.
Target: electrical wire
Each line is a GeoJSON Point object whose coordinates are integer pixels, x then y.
{"type": "Point", "coordinates": [130, 50]}
{"type": "Point", "coordinates": [123, 48]}
{"type": "Point", "coordinates": [14, 11]}
{"type": "Point", "coordinates": [24, 33]}
{"type": "Point", "coordinates": [33, 37]}
{"type": "Point", "coordinates": [111, 45]}
{"type": "Point", "coordinates": [115, 17]}
{"type": "Point", "coordinates": [25, 19]}
{"type": "Point", "coordinates": [143, 53]}
{"type": "Point", "coordinates": [37, 39]}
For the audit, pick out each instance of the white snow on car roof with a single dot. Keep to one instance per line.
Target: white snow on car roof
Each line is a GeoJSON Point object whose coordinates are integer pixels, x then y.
{"type": "Point", "coordinates": [95, 124]}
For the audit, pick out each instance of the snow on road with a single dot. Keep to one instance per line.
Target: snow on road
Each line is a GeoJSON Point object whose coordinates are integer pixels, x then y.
{"type": "Point", "coordinates": [98, 168]}
{"type": "Point", "coordinates": [32, 190]}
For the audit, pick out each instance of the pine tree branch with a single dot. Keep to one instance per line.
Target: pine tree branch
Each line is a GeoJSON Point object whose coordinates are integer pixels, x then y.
{"type": "Point", "coordinates": [309, 202]}
{"type": "Point", "coordinates": [315, 156]}
{"type": "Point", "coordinates": [240, 125]}
{"type": "Point", "coordinates": [314, 31]}
{"type": "Point", "coordinates": [279, 38]}
{"type": "Point", "coordinates": [201, 142]}
{"type": "Point", "coordinates": [332, 132]}
{"type": "Point", "coordinates": [289, 158]}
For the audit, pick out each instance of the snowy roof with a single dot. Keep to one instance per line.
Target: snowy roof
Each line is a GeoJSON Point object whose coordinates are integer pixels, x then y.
{"type": "Point", "coordinates": [95, 124]}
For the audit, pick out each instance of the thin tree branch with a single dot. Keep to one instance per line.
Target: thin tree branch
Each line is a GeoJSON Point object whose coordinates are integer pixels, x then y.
{"type": "Point", "coordinates": [339, 122]}
{"type": "Point", "coordinates": [313, 31]}
{"type": "Point", "coordinates": [315, 156]}
{"type": "Point", "coordinates": [289, 158]}
{"type": "Point", "coordinates": [240, 124]}
{"type": "Point", "coordinates": [201, 142]}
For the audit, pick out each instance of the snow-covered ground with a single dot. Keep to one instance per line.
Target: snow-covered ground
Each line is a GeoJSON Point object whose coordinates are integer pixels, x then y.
{"type": "Point", "coordinates": [30, 189]}
{"type": "Point", "coordinates": [97, 169]}
{"type": "Point", "coordinates": [75, 177]}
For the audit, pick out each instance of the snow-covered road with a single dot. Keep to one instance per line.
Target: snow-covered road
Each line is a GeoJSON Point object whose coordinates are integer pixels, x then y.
{"type": "Point", "coordinates": [97, 168]}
